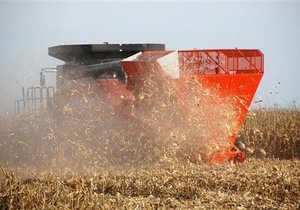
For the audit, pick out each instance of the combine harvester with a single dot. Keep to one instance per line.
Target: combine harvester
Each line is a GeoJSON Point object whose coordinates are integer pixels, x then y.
{"type": "Point", "coordinates": [120, 70]}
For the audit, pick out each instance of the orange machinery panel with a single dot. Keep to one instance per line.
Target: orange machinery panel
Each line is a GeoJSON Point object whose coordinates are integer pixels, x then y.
{"type": "Point", "coordinates": [233, 73]}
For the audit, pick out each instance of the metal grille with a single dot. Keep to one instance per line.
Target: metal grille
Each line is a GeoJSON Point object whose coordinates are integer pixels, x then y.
{"type": "Point", "coordinates": [35, 99]}
{"type": "Point", "coordinates": [220, 62]}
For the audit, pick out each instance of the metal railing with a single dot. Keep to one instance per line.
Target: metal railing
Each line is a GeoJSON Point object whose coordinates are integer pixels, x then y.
{"type": "Point", "coordinates": [233, 61]}
{"type": "Point", "coordinates": [36, 99]}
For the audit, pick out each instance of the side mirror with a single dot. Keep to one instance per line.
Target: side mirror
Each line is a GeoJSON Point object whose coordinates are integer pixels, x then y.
{"type": "Point", "coordinates": [42, 79]}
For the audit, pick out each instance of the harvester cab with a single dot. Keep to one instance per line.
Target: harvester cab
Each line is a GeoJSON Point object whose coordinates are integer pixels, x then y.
{"type": "Point", "coordinates": [122, 71]}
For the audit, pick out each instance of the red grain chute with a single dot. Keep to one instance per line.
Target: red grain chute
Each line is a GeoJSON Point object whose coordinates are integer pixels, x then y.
{"type": "Point", "coordinates": [233, 73]}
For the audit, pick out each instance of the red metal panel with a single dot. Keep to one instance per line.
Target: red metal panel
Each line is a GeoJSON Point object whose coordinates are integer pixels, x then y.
{"type": "Point", "coordinates": [233, 74]}
{"type": "Point", "coordinates": [242, 87]}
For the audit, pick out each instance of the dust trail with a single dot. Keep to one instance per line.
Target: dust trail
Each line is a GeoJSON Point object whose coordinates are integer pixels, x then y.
{"type": "Point", "coordinates": [159, 125]}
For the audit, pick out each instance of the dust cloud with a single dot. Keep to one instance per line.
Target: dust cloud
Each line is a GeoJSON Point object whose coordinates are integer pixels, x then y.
{"type": "Point", "coordinates": [167, 121]}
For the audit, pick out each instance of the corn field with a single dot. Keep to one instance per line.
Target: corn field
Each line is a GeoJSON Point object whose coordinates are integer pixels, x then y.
{"type": "Point", "coordinates": [274, 130]}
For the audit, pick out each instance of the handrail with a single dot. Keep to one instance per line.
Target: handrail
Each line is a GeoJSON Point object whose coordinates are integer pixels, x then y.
{"type": "Point", "coordinates": [234, 61]}
{"type": "Point", "coordinates": [216, 62]}
{"type": "Point", "coordinates": [247, 59]}
{"type": "Point", "coordinates": [38, 99]}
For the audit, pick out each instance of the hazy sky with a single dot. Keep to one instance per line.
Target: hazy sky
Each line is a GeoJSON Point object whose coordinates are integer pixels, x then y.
{"type": "Point", "coordinates": [28, 29]}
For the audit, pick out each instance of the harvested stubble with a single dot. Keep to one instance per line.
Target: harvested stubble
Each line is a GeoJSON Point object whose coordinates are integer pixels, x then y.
{"type": "Point", "coordinates": [256, 184]}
